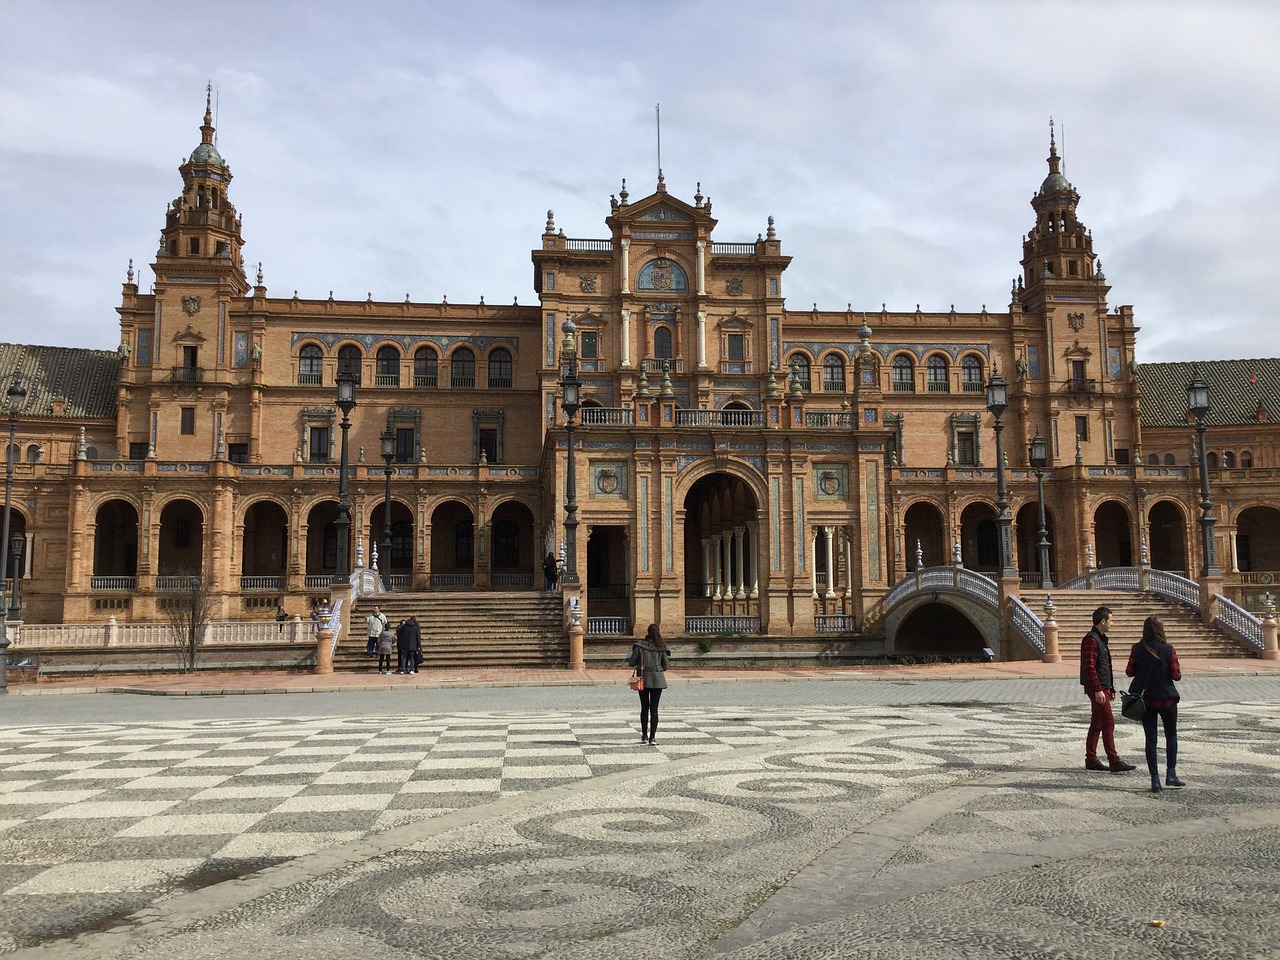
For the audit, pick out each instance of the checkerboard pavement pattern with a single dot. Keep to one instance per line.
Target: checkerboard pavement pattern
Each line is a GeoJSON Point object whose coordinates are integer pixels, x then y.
{"type": "Point", "coordinates": [128, 808]}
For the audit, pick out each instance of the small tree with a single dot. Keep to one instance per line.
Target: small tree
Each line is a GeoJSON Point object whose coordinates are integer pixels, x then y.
{"type": "Point", "coordinates": [188, 613]}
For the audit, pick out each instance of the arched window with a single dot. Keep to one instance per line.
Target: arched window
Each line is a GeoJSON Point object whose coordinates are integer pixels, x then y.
{"type": "Point", "coordinates": [34, 453]}
{"type": "Point", "coordinates": [1246, 460]}
{"type": "Point", "coordinates": [349, 361]}
{"type": "Point", "coordinates": [310, 364]}
{"type": "Point", "coordinates": [662, 343]}
{"type": "Point", "coordinates": [1229, 460]}
{"type": "Point", "coordinates": [500, 369]}
{"type": "Point", "coordinates": [1211, 459]}
{"type": "Point", "coordinates": [463, 368]}
{"type": "Point", "coordinates": [464, 544]}
{"type": "Point", "coordinates": [387, 372]}
{"type": "Point", "coordinates": [1153, 460]}
{"type": "Point", "coordinates": [936, 374]}
{"type": "Point", "coordinates": [971, 374]}
{"type": "Point", "coordinates": [904, 374]}
{"type": "Point", "coordinates": [1169, 460]}
{"type": "Point", "coordinates": [426, 367]}
{"type": "Point", "coordinates": [799, 364]}
{"type": "Point", "coordinates": [832, 373]}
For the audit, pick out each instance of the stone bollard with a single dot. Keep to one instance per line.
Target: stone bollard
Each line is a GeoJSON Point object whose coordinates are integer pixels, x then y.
{"type": "Point", "coordinates": [324, 649]}
{"type": "Point", "coordinates": [1270, 648]}
{"type": "Point", "coordinates": [576, 632]}
{"type": "Point", "coordinates": [1051, 654]}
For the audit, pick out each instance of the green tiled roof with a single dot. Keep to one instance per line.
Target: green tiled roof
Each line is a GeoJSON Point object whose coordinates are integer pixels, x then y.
{"type": "Point", "coordinates": [1236, 389]}
{"type": "Point", "coordinates": [85, 379]}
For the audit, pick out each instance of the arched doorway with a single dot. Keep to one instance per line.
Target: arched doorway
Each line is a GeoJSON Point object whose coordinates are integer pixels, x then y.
{"type": "Point", "coordinates": [19, 562]}
{"type": "Point", "coordinates": [322, 544]}
{"type": "Point", "coordinates": [181, 548]}
{"type": "Point", "coordinates": [923, 524]}
{"type": "Point", "coordinates": [1258, 540]}
{"type": "Point", "coordinates": [512, 556]}
{"type": "Point", "coordinates": [265, 547]}
{"type": "Point", "coordinates": [1112, 542]}
{"type": "Point", "coordinates": [980, 538]}
{"type": "Point", "coordinates": [396, 558]}
{"type": "Point", "coordinates": [1167, 537]}
{"type": "Point", "coordinates": [721, 547]}
{"type": "Point", "coordinates": [452, 547]}
{"type": "Point", "coordinates": [115, 546]}
{"type": "Point", "coordinates": [1028, 543]}
{"type": "Point", "coordinates": [938, 630]}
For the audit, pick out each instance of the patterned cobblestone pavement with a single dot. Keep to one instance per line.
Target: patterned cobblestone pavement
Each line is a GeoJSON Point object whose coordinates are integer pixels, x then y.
{"type": "Point", "coordinates": [961, 829]}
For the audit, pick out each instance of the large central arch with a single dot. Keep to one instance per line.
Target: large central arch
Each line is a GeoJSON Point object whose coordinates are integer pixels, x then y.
{"type": "Point", "coordinates": [722, 548]}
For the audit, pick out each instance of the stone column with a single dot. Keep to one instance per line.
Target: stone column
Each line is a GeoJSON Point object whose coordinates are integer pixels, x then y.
{"type": "Point", "coordinates": [829, 532]}
{"type": "Point", "coordinates": [740, 591]}
{"type": "Point", "coordinates": [626, 338]}
{"type": "Point", "coordinates": [753, 557]}
{"type": "Point", "coordinates": [707, 576]}
{"type": "Point", "coordinates": [718, 540]}
{"type": "Point", "coordinates": [702, 339]}
{"type": "Point", "coordinates": [1270, 647]}
{"type": "Point", "coordinates": [813, 562]}
{"type": "Point", "coordinates": [626, 265]}
{"type": "Point", "coordinates": [702, 268]}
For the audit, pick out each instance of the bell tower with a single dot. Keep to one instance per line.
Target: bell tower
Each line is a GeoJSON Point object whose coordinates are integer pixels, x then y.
{"type": "Point", "coordinates": [1058, 246]}
{"type": "Point", "coordinates": [201, 240]}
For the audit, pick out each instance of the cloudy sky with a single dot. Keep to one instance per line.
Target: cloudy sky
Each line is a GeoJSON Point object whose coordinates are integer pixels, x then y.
{"type": "Point", "coordinates": [415, 147]}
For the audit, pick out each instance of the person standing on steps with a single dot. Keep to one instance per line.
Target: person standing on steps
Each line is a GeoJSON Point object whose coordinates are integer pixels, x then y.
{"type": "Point", "coordinates": [1099, 684]}
{"type": "Point", "coordinates": [551, 572]}
{"type": "Point", "coordinates": [408, 643]}
{"type": "Point", "coordinates": [653, 657]}
{"type": "Point", "coordinates": [374, 624]}
{"type": "Point", "coordinates": [1153, 664]}
{"type": "Point", "coordinates": [386, 643]}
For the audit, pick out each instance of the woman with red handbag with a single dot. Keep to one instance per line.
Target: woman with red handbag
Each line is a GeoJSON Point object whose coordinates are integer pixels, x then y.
{"type": "Point", "coordinates": [651, 658]}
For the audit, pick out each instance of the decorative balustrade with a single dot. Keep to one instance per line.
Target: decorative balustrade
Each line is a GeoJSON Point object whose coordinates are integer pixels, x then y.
{"type": "Point", "coordinates": [386, 379]}
{"type": "Point", "coordinates": [176, 584]}
{"type": "Point", "coordinates": [719, 418]}
{"type": "Point", "coordinates": [1259, 577]}
{"type": "Point", "coordinates": [462, 382]}
{"type": "Point", "coordinates": [309, 379]}
{"type": "Point", "coordinates": [1028, 625]}
{"type": "Point", "coordinates": [187, 375]}
{"type": "Point", "coordinates": [400, 581]}
{"type": "Point", "coordinates": [589, 246]}
{"type": "Point", "coordinates": [512, 581]}
{"type": "Point", "coordinates": [451, 581]}
{"type": "Point", "coordinates": [703, 625]}
{"type": "Point", "coordinates": [422, 380]}
{"type": "Point", "coordinates": [607, 416]}
{"type": "Point", "coordinates": [829, 419]}
{"type": "Point", "coordinates": [973, 386]}
{"type": "Point", "coordinates": [826, 623]}
{"type": "Point", "coordinates": [976, 585]}
{"type": "Point", "coordinates": [262, 583]}
{"type": "Point", "coordinates": [609, 626]}
{"type": "Point", "coordinates": [1239, 622]}
{"type": "Point", "coordinates": [113, 583]}
{"type": "Point", "coordinates": [89, 636]}
{"type": "Point", "coordinates": [1163, 583]}
{"type": "Point", "coordinates": [733, 249]}
{"type": "Point", "coordinates": [317, 581]}
{"type": "Point", "coordinates": [939, 386]}
{"type": "Point", "coordinates": [1031, 578]}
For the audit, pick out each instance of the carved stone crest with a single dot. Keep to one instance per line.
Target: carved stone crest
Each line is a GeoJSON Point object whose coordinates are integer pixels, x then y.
{"type": "Point", "coordinates": [587, 284]}
{"type": "Point", "coordinates": [830, 483]}
{"type": "Point", "coordinates": [733, 286]}
{"type": "Point", "coordinates": [1075, 321]}
{"type": "Point", "coordinates": [607, 481]}
{"type": "Point", "coordinates": [191, 306]}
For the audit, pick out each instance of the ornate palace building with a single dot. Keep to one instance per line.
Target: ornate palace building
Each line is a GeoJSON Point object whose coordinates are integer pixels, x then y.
{"type": "Point", "coordinates": [735, 458]}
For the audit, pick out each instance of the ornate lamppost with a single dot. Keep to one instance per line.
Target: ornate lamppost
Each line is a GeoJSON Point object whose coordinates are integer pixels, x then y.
{"type": "Point", "coordinates": [1198, 406]}
{"type": "Point", "coordinates": [16, 395]}
{"type": "Point", "coordinates": [997, 403]}
{"type": "Point", "coordinates": [1039, 457]}
{"type": "Point", "coordinates": [388, 454]}
{"type": "Point", "coordinates": [570, 401]}
{"type": "Point", "coordinates": [17, 546]}
{"type": "Point", "coordinates": [346, 403]}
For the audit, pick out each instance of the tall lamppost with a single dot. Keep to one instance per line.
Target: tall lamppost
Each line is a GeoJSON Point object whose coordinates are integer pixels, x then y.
{"type": "Point", "coordinates": [1198, 406]}
{"type": "Point", "coordinates": [16, 394]}
{"type": "Point", "coordinates": [1039, 457]}
{"type": "Point", "coordinates": [997, 403]}
{"type": "Point", "coordinates": [388, 454]}
{"type": "Point", "coordinates": [17, 546]}
{"type": "Point", "coordinates": [570, 401]}
{"type": "Point", "coordinates": [346, 403]}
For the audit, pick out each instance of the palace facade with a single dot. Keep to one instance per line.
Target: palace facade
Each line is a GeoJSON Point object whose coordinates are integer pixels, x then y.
{"type": "Point", "coordinates": [734, 457]}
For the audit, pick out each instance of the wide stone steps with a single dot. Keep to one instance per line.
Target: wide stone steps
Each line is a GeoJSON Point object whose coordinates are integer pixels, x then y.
{"type": "Point", "coordinates": [1182, 625]}
{"type": "Point", "coordinates": [472, 629]}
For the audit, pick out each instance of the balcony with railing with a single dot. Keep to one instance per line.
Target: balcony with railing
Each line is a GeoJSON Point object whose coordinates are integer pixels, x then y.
{"type": "Point", "coordinates": [733, 249]}
{"type": "Point", "coordinates": [719, 418]}
{"type": "Point", "coordinates": [176, 583]}
{"type": "Point", "coordinates": [308, 379]}
{"type": "Point", "coordinates": [973, 386]}
{"type": "Point", "coordinates": [589, 246]}
{"type": "Point", "coordinates": [425, 380]}
{"type": "Point", "coordinates": [261, 584]}
{"type": "Point", "coordinates": [1080, 386]}
{"type": "Point", "coordinates": [828, 419]}
{"type": "Point", "coordinates": [500, 383]}
{"type": "Point", "coordinates": [903, 386]}
{"type": "Point", "coordinates": [187, 375]}
{"type": "Point", "coordinates": [112, 584]}
{"type": "Point", "coordinates": [832, 386]}
{"type": "Point", "coordinates": [386, 379]}
{"type": "Point", "coordinates": [939, 386]}
{"type": "Point", "coordinates": [461, 381]}
{"type": "Point", "coordinates": [608, 416]}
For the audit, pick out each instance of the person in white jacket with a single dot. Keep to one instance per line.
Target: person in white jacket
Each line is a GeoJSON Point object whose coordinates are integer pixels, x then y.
{"type": "Point", "coordinates": [374, 624]}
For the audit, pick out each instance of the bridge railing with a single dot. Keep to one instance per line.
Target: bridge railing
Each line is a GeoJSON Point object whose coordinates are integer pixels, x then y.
{"type": "Point", "coordinates": [1238, 622]}
{"type": "Point", "coordinates": [1029, 626]}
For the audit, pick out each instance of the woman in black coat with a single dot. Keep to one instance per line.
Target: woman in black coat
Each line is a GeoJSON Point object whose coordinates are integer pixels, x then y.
{"type": "Point", "coordinates": [1153, 664]}
{"type": "Point", "coordinates": [653, 657]}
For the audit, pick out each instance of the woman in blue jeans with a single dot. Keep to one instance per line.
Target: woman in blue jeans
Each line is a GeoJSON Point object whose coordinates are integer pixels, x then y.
{"type": "Point", "coordinates": [653, 657]}
{"type": "Point", "coordinates": [1153, 664]}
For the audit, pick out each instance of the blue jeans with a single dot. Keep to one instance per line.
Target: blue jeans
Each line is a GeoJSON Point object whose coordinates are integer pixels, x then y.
{"type": "Point", "coordinates": [406, 664]}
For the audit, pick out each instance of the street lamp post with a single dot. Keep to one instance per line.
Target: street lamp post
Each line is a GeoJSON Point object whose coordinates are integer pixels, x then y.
{"type": "Point", "coordinates": [346, 403]}
{"type": "Point", "coordinates": [570, 401]}
{"type": "Point", "coordinates": [1039, 457]}
{"type": "Point", "coordinates": [997, 403]}
{"type": "Point", "coordinates": [16, 394]}
{"type": "Point", "coordinates": [388, 454]}
{"type": "Point", "coordinates": [1198, 406]}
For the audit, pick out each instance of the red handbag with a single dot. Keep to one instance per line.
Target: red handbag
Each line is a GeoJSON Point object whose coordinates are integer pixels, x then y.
{"type": "Point", "coordinates": [637, 680]}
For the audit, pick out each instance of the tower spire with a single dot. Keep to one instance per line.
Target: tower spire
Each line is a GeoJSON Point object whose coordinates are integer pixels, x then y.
{"type": "Point", "coordinates": [657, 109]}
{"type": "Point", "coordinates": [207, 130]}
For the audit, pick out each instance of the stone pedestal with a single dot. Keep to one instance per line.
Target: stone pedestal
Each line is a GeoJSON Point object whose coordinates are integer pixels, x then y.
{"type": "Point", "coordinates": [324, 650]}
{"type": "Point", "coordinates": [1051, 654]}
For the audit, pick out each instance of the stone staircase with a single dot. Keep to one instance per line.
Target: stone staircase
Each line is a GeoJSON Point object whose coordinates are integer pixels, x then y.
{"type": "Point", "coordinates": [1182, 625]}
{"type": "Point", "coordinates": [470, 629]}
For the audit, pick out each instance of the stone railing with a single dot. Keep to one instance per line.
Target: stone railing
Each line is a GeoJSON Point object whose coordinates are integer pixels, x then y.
{"type": "Point", "coordinates": [451, 581]}
{"type": "Point", "coordinates": [607, 416]}
{"type": "Point", "coordinates": [88, 636]}
{"type": "Point", "coordinates": [113, 583]}
{"type": "Point", "coordinates": [1163, 583]}
{"type": "Point", "coordinates": [749, 625]}
{"type": "Point", "coordinates": [1238, 622]}
{"type": "Point", "coordinates": [609, 626]}
{"type": "Point", "coordinates": [835, 623]}
{"type": "Point", "coordinates": [1027, 624]}
{"type": "Point", "coordinates": [512, 581]}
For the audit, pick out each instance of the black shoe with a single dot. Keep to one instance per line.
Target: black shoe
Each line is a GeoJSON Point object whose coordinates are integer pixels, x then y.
{"type": "Point", "coordinates": [651, 741]}
{"type": "Point", "coordinates": [1172, 781]}
{"type": "Point", "coordinates": [1095, 764]}
{"type": "Point", "coordinates": [1119, 766]}
{"type": "Point", "coordinates": [1155, 786]}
